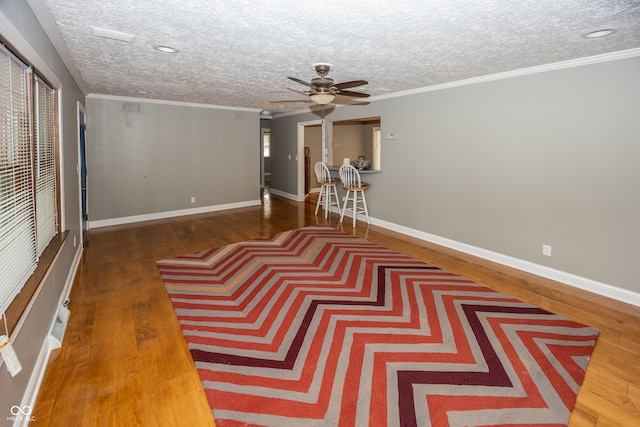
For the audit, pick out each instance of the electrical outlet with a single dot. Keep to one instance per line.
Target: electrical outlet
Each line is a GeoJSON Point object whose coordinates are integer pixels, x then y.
{"type": "Point", "coordinates": [546, 250]}
{"type": "Point", "coordinates": [193, 199]}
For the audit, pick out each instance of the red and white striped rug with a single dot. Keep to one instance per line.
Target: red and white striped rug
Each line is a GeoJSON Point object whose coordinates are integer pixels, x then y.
{"type": "Point", "coordinates": [315, 327]}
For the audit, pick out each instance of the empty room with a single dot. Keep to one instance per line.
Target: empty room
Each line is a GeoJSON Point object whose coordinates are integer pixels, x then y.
{"type": "Point", "coordinates": [421, 213]}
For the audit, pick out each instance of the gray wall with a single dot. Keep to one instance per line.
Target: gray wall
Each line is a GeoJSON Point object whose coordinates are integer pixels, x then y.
{"type": "Point", "coordinates": [35, 326]}
{"type": "Point", "coordinates": [284, 140]}
{"type": "Point", "coordinates": [154, 160]}
{"type": "Point", "coordinates": [509, 165]}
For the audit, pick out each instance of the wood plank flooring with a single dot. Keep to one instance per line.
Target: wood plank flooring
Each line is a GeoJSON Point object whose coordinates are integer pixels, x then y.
{"type": "Point", "coordinates": [123, 360]}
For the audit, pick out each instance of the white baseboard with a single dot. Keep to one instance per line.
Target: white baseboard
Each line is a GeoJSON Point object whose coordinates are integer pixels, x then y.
{"type": "Point", "coordinates": [604, 289]}
{"type": "Point", "coordinates": [35, 381]}
{"type": "Point", "coordinates": [289, 196]}
{"type": "Point", "coordinates": [171, 214]}
{"type": "Point", "coordinates": [72, 274]}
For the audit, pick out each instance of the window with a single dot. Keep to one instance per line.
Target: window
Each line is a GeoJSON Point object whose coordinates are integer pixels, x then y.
{"type": "Point", "coordinates": [45, 165]}
{"type": "Point", "coordinates": [28, 172]}
{"type": "Point", "coordinates": [266, 141]}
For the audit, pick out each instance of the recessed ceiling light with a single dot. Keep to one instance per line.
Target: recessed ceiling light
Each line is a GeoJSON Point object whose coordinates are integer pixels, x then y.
{"type": "Point", "coordinates": [599, 33]}
{"type": "Point", "coordinates": [166, 49]}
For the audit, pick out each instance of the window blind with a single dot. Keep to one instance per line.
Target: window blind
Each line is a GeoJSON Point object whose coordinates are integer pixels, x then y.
{"type": "Point", "coordinates": [18, 252]}
{"type": "Point", "coordinates": [45, 165]}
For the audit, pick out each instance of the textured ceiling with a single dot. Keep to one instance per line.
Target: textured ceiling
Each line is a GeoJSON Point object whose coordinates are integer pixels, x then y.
{"type": "Point", "coordinates": [238, 53]}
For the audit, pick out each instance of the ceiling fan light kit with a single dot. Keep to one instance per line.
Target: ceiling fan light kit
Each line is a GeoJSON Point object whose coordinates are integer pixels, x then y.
{"type": "Point", "coordinates": [322, 98]}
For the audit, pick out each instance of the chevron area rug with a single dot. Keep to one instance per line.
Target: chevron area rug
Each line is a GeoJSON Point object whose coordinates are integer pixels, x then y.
{"type": "Point", "coordinates": [315, 327]}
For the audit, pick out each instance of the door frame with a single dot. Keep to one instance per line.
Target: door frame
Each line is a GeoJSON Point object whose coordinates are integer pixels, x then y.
{"type": "Point", "coordinates": [300, 153]}
{"type": "Point", "coordinates": [376, 138]}
{"type": "Point", "coordinates": [82, 128]}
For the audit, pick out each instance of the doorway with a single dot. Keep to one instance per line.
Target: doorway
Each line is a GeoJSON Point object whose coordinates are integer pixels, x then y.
{"type": "Point", "coordinates": [301, 157]}
{"type": "Point", "coordinates": [265, 157]}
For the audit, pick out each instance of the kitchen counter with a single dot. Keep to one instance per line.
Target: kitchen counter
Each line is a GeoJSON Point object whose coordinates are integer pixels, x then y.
{"type": "Point", "coordinates": [362, 172]}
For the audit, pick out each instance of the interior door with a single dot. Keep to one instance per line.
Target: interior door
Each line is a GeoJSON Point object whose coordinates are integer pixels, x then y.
{"type": "Point", "coordinates": [83, 180]}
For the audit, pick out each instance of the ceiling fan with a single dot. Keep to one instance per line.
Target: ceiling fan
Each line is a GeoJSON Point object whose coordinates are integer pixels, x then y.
{"type": "Point", "coordinates": [323, 90]}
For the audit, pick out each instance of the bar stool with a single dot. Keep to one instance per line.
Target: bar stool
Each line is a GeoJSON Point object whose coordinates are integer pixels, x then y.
{"type": "Point", "coordinates": [351, 182]}
{"type": "Point", "coordinates": [328, 188]}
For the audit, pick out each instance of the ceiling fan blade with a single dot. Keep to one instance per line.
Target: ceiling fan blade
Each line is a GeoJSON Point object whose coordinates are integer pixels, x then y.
{"type": "Point", "coordinates": [347, 100]}
{"type": "Point", "coordinates": [353, 83]}
{"type": "Point", "coordinates": [354, 94]}
{"type": "Point", "coordinates": [305, 93]}
{"type": "Point", "coordinates": [302, 82]}
{"type": "Point", "coordinates": [304, 101]}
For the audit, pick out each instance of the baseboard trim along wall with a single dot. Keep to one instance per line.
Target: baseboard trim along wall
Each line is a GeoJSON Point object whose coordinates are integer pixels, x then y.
{"type": "Point", "coordinates": [35, 381]}
{"type": "Point", "coordinates": [580, 282]}
{"type": "Point", "coordinates": [285, 195]}
{"type": "Point", "coordinates": [570, 279]}
{"type": "Point", "coordinates": [170, 214]}
{"type": "Point", "coordinates": [576, 281]}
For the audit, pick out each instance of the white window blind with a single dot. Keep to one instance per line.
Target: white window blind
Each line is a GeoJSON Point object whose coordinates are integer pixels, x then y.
{"type": "Point", "coordinates": [18, 253]}
{"type": "Point", "coordinates": [45, 164]}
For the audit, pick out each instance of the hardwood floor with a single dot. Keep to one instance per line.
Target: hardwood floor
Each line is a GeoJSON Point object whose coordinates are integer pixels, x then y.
{"type": "Point", "coordinates": [123, 360]}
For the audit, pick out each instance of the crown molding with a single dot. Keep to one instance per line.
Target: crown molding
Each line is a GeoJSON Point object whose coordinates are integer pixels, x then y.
{"type": "Point", "coordinates": [42, 14]}
{"type": "Point", "coordinates": [579, 62]}
{"type": "Point", "coordinates": [168, 102]}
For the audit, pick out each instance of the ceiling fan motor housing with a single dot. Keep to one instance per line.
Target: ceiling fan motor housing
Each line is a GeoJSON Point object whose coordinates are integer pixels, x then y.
{"type": "Point", "coordinates": [322, 82]}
